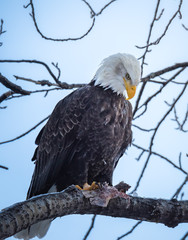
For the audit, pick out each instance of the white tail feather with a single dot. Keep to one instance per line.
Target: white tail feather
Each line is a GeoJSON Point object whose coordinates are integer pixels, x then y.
{"type": "Point", "coordinates": [36, 230]}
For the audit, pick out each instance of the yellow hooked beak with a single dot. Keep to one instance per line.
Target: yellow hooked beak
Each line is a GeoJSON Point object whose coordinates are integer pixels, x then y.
{"type": "Point", "coordinates": [131, 89]}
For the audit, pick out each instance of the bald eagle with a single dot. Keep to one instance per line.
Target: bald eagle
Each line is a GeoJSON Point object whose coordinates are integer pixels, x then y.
{"type": "Point", "coordinates": [86, 134]}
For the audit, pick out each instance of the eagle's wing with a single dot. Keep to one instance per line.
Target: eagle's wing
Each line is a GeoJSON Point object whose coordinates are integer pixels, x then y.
{"type": "Point", "coordinates": [56, 140]}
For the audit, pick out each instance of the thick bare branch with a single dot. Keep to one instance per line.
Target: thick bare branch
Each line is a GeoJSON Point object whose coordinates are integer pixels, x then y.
{"type": "Point", "coordinates": [72, 201]}
{"type": "Point", "coordinates": [5, 95]}
{"type": "Point", "coordinates": [12, 86]}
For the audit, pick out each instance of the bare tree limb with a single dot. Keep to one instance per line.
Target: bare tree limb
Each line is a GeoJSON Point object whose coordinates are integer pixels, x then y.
{"type": "Point", "coordinates": [5, 95]}
{"type": "Point", "coordinates": [72, 201]}
{"type": "Point", "coordinates": [12, 86]}
{"type": "Point", "coordinates": [165, 70]}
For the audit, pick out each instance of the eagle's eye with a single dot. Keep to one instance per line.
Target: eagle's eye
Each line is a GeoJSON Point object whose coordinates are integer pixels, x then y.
{"type": "Point", "coordinates": [128, 77]}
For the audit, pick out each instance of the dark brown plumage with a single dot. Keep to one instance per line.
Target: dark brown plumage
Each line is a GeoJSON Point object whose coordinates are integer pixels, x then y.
{"type": "Point", "coordinates": [82, 141]}
{"type": "Point", "coordinates": [87, 133]}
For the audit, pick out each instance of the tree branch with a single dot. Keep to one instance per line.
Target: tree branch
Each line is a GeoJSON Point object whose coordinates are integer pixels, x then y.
{"type": "Point", "coordinates": [152, 75]}
{"type": "Point", "coordinates": [57, 39]}
{"type": "Point", "coordinates": [23, 134]}
{"type": "Point", "coordinates": [91, 227]}
{"type": "Point", "coordinates": [3, 167]}
{"type": "Point", "coordinates": [12, 86]}
{"type": "Point", "coordinates": [154, 134]}
{"type": "Point", "coordinates": [129, 232]}
{"type": "Point", "coordinates": [72, 201]}
{"type": "Point", "coordinates": [93, 15]}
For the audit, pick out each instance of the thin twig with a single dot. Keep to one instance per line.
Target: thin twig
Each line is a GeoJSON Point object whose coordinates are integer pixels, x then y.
{"type": "Point", "coordinates": [186, 28]}
{"type": "Point", "coordinates": [31, 61]}
{"type": "Point", "coordinates": [155, 18]}
{"type": "Point", "coordinates": [3, 167]}
{"type": "Point", "coordinates": [132, 229]}
{"type": "Point", "coordinates": [1, 30]}
{"type": "Point", "coordinates": [148, 100]}
{"type": "Point", "coordinates": [23, 134]}
{"type": "Point", "coordinates": [176, 119]}
{"type": "Point", "coordinates": [103, 8]}
{"type": "Point", "coordinates": [149, 36]}
{"type": "Point", "coordinates": [143, 129]}
{"type": "Point", "coordinates": [91, 227]}
{"type": "Point", "coordinates": [180, 188]}
{"type": "Point", "coordinates": [153, 137]}
{"type": "Point", "coordinates": [185, 236]}
{"type": "Point", "coordinates": [57, 39]}
{"type": "Point", "coordinates": [156, 74]}
{"type": "Point", "coordinates": [63, 85]}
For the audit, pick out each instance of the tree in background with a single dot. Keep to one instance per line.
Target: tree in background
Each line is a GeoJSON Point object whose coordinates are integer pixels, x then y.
{"type": "Point", "coordinates": [160, 111]}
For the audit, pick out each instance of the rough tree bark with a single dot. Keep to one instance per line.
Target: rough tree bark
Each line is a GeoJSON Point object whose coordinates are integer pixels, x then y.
{"type": "Point", "coordinates": [72, 201]}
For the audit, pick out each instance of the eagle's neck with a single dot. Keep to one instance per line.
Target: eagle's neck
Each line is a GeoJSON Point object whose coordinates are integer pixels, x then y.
{"type": "Point", "coordinates": [109, 81]}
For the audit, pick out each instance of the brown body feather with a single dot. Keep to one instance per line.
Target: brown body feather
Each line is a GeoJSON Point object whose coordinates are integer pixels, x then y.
{"type": "Point", "coordinates": [84, 138]}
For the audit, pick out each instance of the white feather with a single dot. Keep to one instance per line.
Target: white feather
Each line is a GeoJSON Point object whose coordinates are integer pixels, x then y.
{"type": "Point", "coordinates": [112, 70]}
{"type": "Point", "coordinates": [39, 229]}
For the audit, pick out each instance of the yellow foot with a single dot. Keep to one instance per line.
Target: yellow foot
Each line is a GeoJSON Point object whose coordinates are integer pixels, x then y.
{"type": "Point", "coordinates": [88, 187]}
{"type": "Point", "coordinates": [79, 188]}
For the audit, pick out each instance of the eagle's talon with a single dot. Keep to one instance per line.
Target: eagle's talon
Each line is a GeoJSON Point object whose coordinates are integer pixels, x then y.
{"type": "Point", "coordinates": [87, 187]}
{"type": "Point", "coordinates": [79, 188]}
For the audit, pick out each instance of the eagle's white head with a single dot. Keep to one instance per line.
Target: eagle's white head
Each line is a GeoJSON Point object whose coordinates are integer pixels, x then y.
{"type": "Point", "coordinates": [120, 72]}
